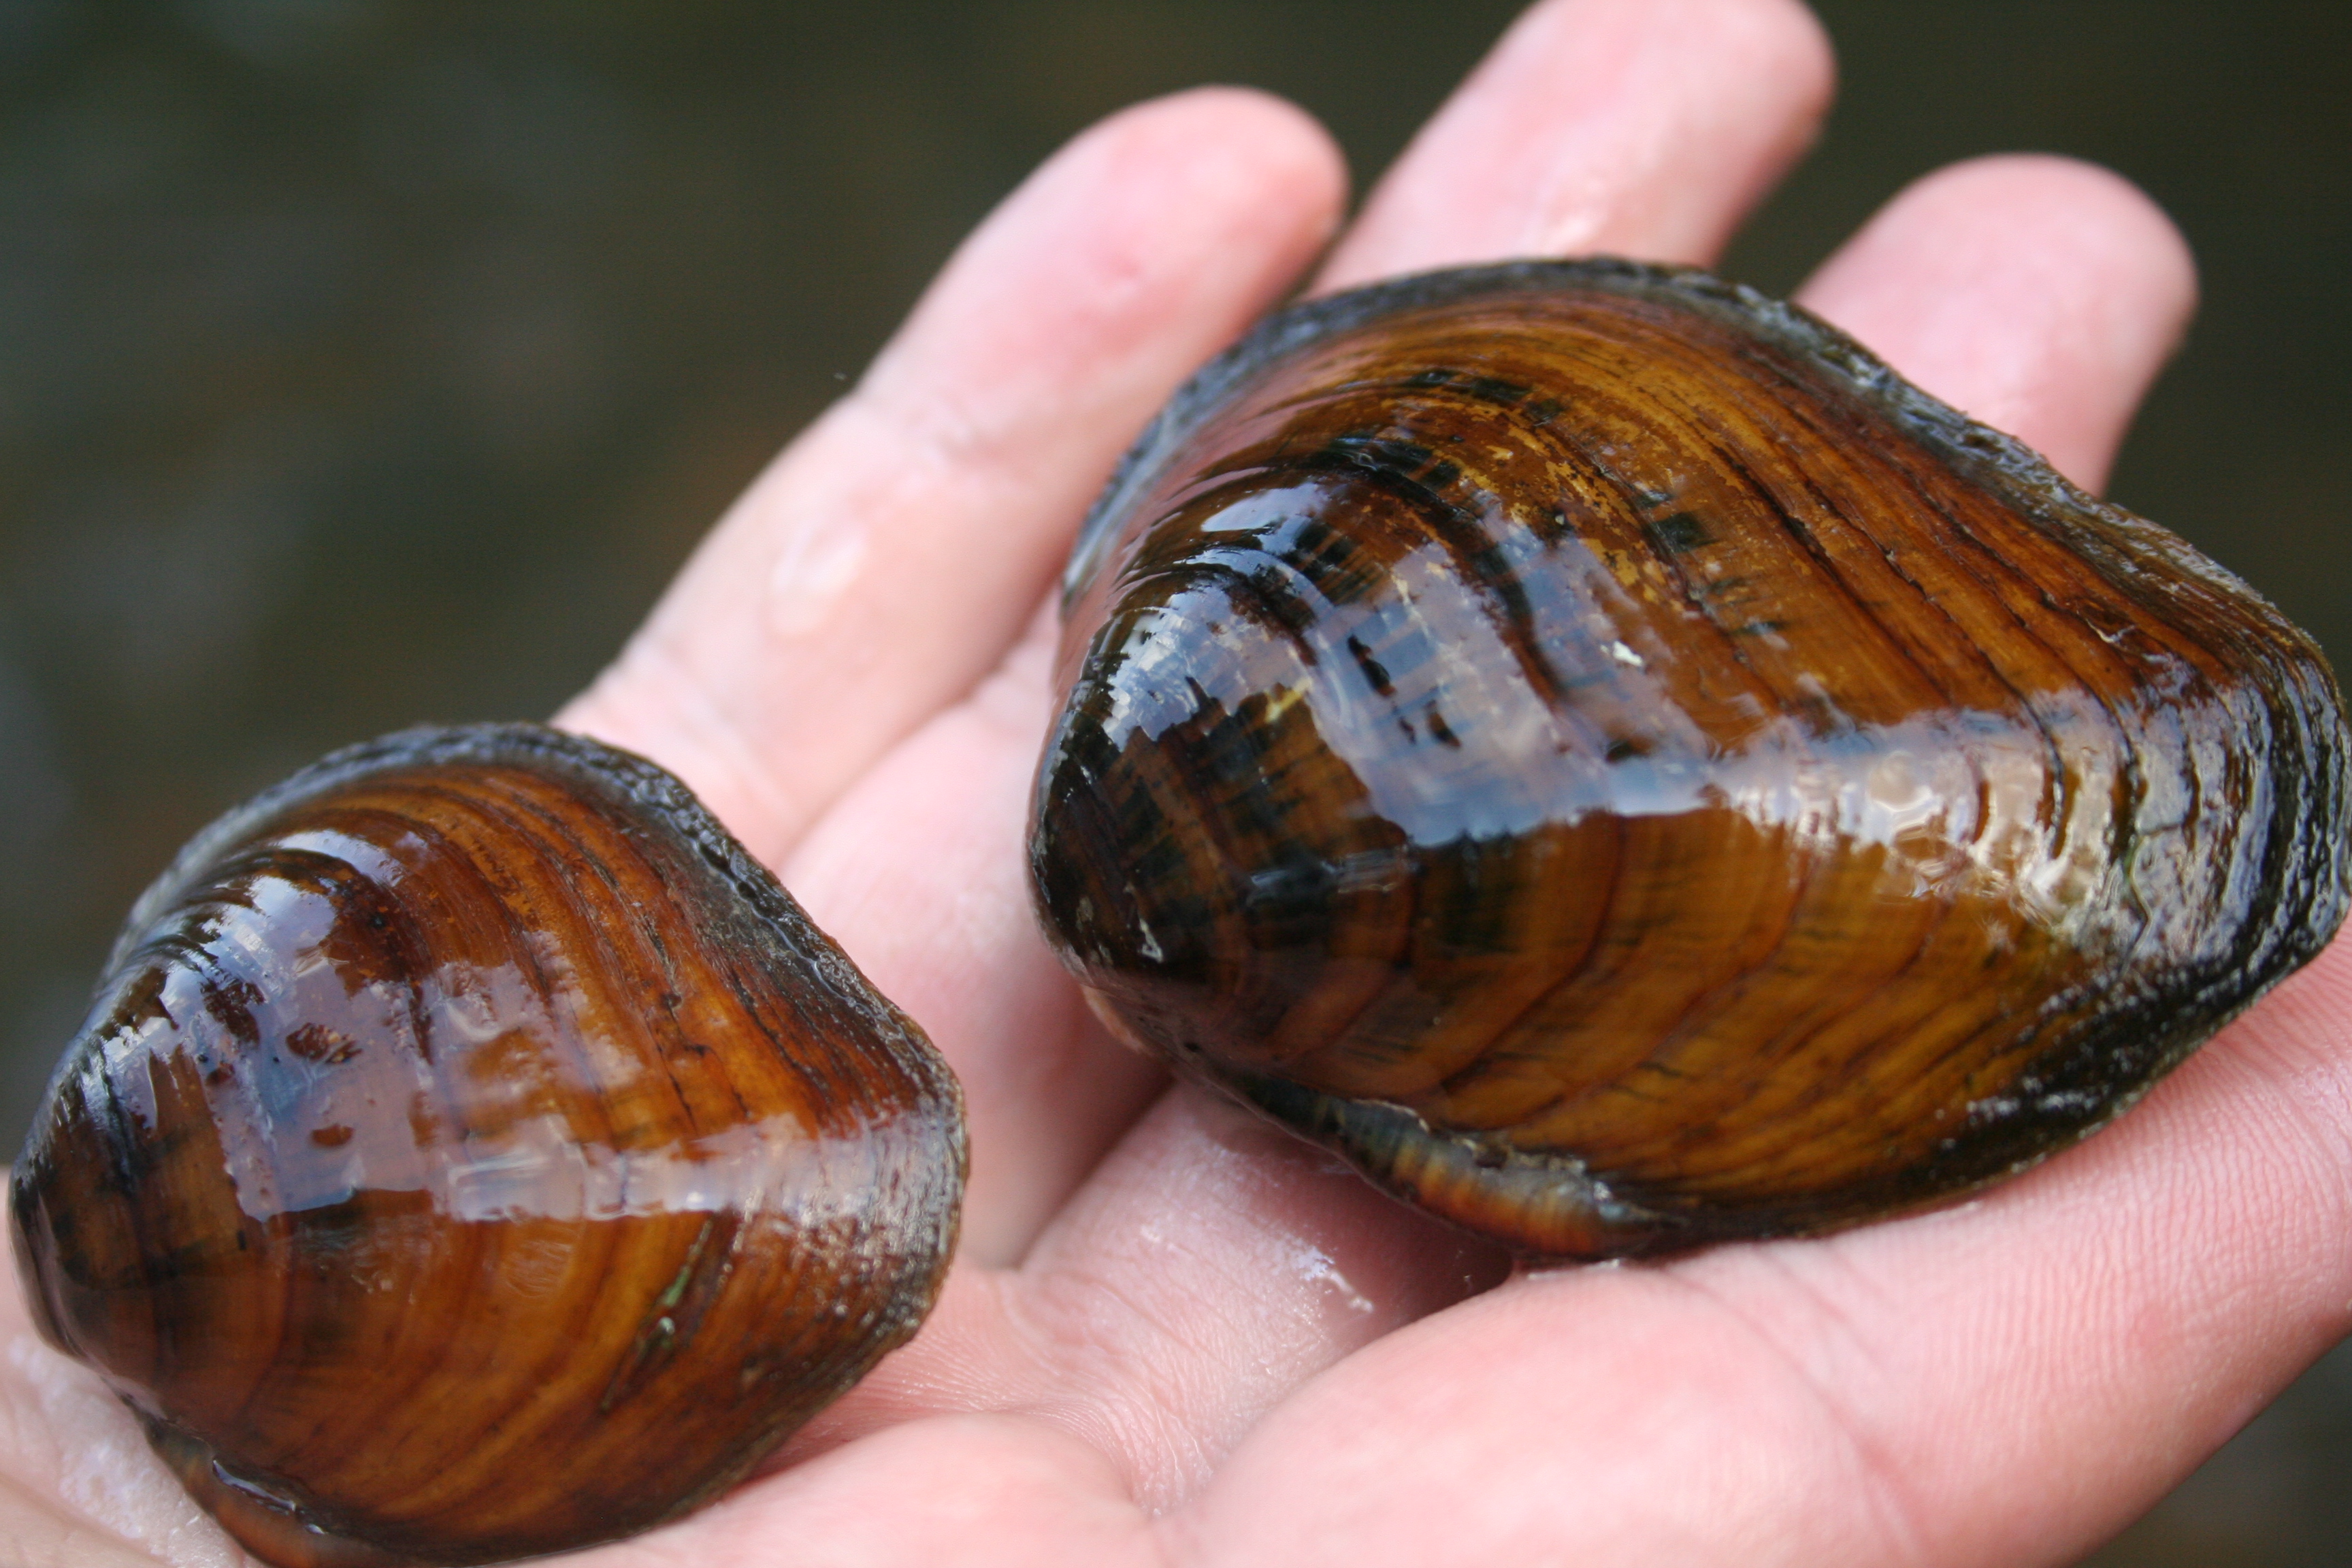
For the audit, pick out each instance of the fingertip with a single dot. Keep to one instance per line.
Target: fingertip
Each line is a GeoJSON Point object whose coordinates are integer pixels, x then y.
{"type": "Point", "coordinates": [1790, 62]}
{"type": "Point", "coordinates": [1261, 185]}
{"type": "Point", "coordinates": [1644, 128]}
{"type": "Point", "coordinates": [2039, 294]}
{"type": "Point", "coordinates": [1288, 145]}
{"type": "Point", "coordinates": [1236, 144]}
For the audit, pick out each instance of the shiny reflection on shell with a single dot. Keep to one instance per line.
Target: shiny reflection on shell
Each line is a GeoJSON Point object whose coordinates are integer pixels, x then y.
{"type": "Point", "coordinates": [1597, 749]}
{"type": "Point", "coordinates": [472, 1152]}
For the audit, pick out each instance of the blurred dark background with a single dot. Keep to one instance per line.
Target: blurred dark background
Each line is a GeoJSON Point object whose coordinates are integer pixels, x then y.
{"type": "Point", "coordinates": [365, 362]}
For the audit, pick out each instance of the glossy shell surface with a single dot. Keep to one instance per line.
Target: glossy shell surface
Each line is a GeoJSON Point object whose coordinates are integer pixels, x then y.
{"type": "Point", "coordinates": [1593, 746]}
{"type": "Point", "coordinates": [471, 1153]}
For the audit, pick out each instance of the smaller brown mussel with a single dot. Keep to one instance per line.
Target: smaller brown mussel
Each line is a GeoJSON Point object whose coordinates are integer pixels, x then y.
{"type": "Point", "coordinates": [472, 1153]}
{"type": "Point", "coordinates": [1597, 749]}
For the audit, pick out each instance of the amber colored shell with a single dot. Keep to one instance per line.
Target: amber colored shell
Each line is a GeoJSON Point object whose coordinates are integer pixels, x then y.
{"type": "Point", "coordinates": [472, 1153]}
{"type": "Point", "coordinates": [1596, 748]}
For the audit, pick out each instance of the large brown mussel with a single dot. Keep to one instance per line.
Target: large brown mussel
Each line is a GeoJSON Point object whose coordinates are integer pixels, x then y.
{"type": "Point", "coordinates": [472, 1152]}
{"type": "Point", "coordinates": [1594, 747]}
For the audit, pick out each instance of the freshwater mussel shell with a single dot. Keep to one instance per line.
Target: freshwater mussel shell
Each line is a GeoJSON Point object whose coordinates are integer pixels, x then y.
{"type": "Point", "coordinates": [472, 1152]}
{"type": "Point", "coordinates": [1598, 749]}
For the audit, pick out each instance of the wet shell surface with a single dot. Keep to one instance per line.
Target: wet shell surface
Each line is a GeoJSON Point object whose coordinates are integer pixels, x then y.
{"type": "Point", "coordinates": [472, 1152]}
{"type": "Point", "coordinates": [1597, 749]}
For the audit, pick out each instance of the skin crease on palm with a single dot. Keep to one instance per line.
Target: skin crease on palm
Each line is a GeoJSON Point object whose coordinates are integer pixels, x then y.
{"type": "Point", "coordinates": [1175, 1336]}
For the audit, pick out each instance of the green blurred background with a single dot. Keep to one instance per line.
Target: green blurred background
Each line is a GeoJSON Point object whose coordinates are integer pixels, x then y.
{"type": "Point", "coordinates": [364, 363]}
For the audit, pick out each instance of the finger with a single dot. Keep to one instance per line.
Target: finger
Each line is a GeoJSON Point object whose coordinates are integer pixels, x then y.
{"type": "Point", "coordinates": [920, 875]}
{"type": "Point", "coordinates": [888, 560]}
{"type": "Point", "coordinates": [1214, 1266]}
{"type": "Point", "coordinates": [2038, 295]}
{"type": "Point", "coordinates": [39, 1531]}
{"type": "Point", "coordinates": [978, 1491]}
{"type": "Point", "coordinates": [1210, 1267]}
{"type": "Point", "coordinates": [1644, 128]}
{"type": "Point", "coordinates": [2004, 1383]}
{"type": "Point", "coordinates": [78, 1483]}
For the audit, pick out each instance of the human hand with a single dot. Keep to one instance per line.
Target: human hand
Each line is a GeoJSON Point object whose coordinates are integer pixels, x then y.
{"type": "Point", "coordinates": [1177, 1336]}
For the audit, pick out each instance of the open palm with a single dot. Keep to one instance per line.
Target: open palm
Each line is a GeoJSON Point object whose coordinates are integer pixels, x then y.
{"type": "Point", "coordinates": [1176, 1336]}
